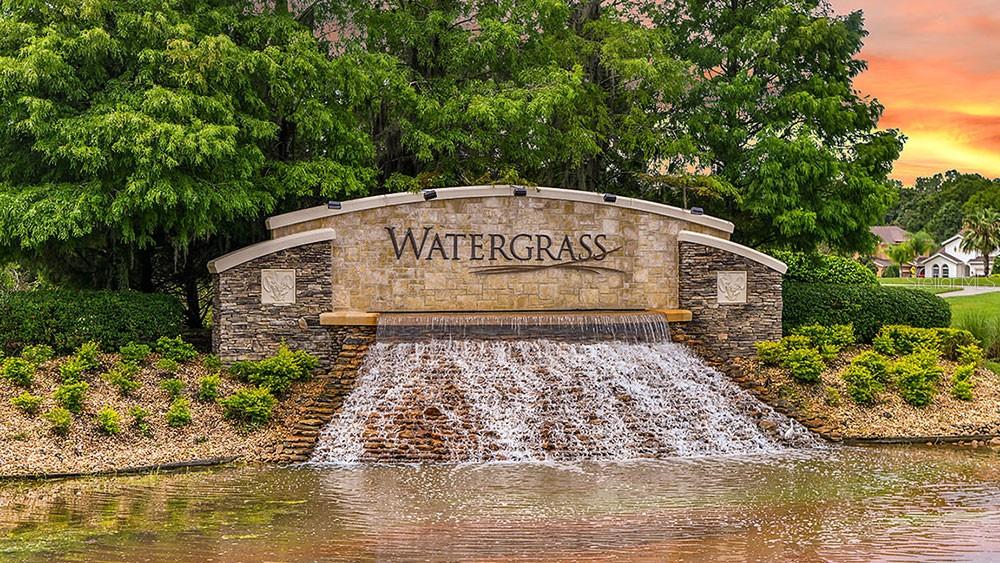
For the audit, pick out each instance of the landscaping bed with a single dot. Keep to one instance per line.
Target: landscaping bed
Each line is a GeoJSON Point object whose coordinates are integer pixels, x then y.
{"type": "Point", "coordinates": [163, 413]}
{"type": "Point", "coordinates": [923, 392]}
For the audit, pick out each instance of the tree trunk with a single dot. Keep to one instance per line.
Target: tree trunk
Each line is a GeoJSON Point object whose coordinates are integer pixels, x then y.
{"type": "Point", "coordinates": [192, 301]}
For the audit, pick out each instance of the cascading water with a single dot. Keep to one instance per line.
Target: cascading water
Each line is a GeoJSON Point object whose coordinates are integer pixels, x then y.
{"type": "Point", "coordinates": [435, 388]}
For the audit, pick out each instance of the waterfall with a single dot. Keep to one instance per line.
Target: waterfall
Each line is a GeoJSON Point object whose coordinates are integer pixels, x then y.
{"type": "Point", "coordinates": [603, 387]}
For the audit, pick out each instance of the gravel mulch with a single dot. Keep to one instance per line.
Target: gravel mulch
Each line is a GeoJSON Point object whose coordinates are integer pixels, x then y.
{"type": "Point", "coordinates": [29, 447]}
{"type": "Point", "coordinates": [828, 408]}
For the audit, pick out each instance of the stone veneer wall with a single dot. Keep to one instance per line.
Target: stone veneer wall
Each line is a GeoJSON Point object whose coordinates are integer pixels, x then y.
{"type": "Point", "coordinates": [722, 332]}
{"type": "Point", "coordinates": [245, 329]}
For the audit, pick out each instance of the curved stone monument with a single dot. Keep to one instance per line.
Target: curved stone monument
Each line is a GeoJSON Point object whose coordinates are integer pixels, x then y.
{"type": "Point", "coordinates": [327, 273]}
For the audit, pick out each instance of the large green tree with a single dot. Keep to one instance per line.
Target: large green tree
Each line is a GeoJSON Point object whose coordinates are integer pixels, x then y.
{"type": "Point", "coordinates": [940, 204]}
{"type": "Point", "coordinates": [775, 112]}
{"type": "Point", "coordinates": [143, 137]}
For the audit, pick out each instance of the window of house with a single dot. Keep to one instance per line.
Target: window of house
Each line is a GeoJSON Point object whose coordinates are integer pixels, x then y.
{"type": "Point", "coordinates": [935, 271]}
{"type": "Point", "coordinates": [944, 271]}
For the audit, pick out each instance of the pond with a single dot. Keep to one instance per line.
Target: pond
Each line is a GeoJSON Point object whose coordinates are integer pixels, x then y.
{"type": "Point", "coordinates": [843, 504]}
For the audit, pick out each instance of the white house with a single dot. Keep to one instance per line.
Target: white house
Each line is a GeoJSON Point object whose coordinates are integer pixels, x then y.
{"type": "Point", "coordinates": [950, 261]}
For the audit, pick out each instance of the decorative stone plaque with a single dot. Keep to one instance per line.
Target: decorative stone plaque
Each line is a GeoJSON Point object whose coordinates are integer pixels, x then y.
{"type": "Point", "coordinates": [277, 287]}
{"type": "Point", "coordinates": [732, 288]}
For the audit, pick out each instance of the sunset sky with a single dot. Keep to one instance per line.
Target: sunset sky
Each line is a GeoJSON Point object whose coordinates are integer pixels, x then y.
{"type": "Point", "coordinates": [935, 66]}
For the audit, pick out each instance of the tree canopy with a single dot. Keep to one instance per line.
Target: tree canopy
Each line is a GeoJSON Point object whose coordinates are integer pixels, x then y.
{"type": "Point", "coordinates": [940, 204]}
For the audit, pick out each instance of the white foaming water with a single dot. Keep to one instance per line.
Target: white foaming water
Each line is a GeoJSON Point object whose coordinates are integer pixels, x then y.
{"type": "Point", "coordinates": [544, 400]}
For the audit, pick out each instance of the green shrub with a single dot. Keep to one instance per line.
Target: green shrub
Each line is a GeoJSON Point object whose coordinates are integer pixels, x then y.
{"type": "Point", "coordinates": [167, 365]}
{"type": "Point", "coordinates": [868, 308]}
{"type": "Point", "coordinates": [211, 362]}
{"type": "Point", "coordinates": [175, 349]}
{"type": "Point", "coordinates": [961, 382]}
{"type": "Point", "coordinates": [208, 388]}
{"type": "Point", "coordinates": [37, 354]}
{"type": "Point", "coordinates": [27, 403]}
{"type": "Point", "coordinates": [796, 342]}
{"type": "Point", "coordinates": [86, 355]}
{"type": "Point", "coordinates": [769, 352]}
{"type": "Point", "coordinates": [140, 420]}
{"type": "Point", "coordinates": [277, 373]}
{"type": "Point", "coordinates": [134, 353]}
{"type": "Point", "coordinates": [875, 363]}
{"type": "Point", "coordinates": [916, 377]}
{"type": "Point", "coordinates": [179, 413]}
{"type": "Point", "coordinates": [65, 319]}
{"type": "Point", "coordinates": [71, 370]}
{"type": "Point", "coordinates": [173, 386]}
{"type": "Point", "coordinates": [831, 396]}
{"type": "Point", "coordinates": [17, 371]}
{"type": "Point", "coordinates": [60, 420]}
{"type": "Point", "coordinates": [123, 376]}
{"type": "Point", "coordinates": [805, 364]}
{"type": "Point", "coordinates": [109, 422]}
{"type": "Point", "coordinates": [250, 406]}
{"type": "Point", "coordinates": [891, 271]}
{"type": "Point", "coordinates": [985, 328]}
{"type": "Point", "coordinates": [862, 385]}
{"type": "Point", "coordinates": [832, 335]}
{"type": "Point", "coordinates": [970, 355]}
{"type": "Point", "coordinates": [824, 268]}
{"type": "Point", "coordinates": [72, 395]}
{"type": "Point", "coordinates": [951, 339]}
{"type": "Point", "coordinates": [899, 340]}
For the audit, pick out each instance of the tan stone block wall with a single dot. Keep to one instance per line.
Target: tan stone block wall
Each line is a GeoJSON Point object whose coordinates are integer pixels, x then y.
{"type": "Point", "coordinates": [367, 275]}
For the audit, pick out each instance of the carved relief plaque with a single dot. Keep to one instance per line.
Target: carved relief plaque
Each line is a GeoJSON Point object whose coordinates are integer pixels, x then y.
{"type": "Point", "coordinates": [732, 288]}
{"type": "Point", "coordinates": [277, 287]}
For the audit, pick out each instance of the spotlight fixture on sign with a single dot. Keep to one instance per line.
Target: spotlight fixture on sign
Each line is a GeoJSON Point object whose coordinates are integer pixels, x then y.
{"type": "Point", "coordinates": [430, 194]}
{"type": "Point", "coordinates": [610, 198]}
{"type": "Point", "coordinates": [519, 191]}
{"type": "Point", "coordinates": [333, 205]}
{"type": "Point", "coordinates": [697, 211]}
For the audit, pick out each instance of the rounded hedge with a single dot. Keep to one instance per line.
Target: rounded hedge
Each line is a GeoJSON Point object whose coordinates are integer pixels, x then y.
{"type": "Point", "coordinates": [65, 319]}
{"type": "Point", "coordinates": [824, 268]}
{"type": "Point", "coordinates": [866, 307]}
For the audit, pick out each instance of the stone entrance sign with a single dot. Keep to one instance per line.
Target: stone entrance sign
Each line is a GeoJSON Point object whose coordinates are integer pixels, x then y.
{"type": "Point", "coordinates": [484, 248]}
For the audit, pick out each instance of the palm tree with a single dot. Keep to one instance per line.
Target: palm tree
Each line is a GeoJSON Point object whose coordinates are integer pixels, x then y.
{"type": "Point", "coordinates": [922, 243]}
{"type": "Point", "coordinates": [901, 254]}
{"type": "Point", "coordinates": [982, 235]}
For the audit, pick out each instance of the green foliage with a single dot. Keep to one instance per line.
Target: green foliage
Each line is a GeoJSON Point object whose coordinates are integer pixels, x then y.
{"type": "Point", "coordinates": [175, 349]}
{"type": "Point", "coordinates": [60, 420]}
{"type": "Point", "coordinates": [18, 371]}
{"type": "Point", "coordinates": [72, 395]}
{"type": "Point", "coordinates": [981, 234]}
{"type": "Point", "coordinates": [940, 203]}
{"type": "Point", "coordinates": [971, 355]}
{"type": "Point", "coordinates": [86, 355]}
{"type": "Point", "coordinates": [805, 364]}
{"type": "Point", "coordinates": [208, 388]}
{"type": "Point", "coordinates": [167, 365]}
{"type": "Point", "coordinates": [134, 353]}
{"type": "Point", "coordinates": [71, 370]}
{"type": "Point", "coordinates": [961, 382]}
{"type": "Point", "coordinates": [796, 342]}
{"type": "Point", "coordinates": [140, 420]}
{"type": "Point", "coordinates": [899, 340]}
{"type": "Point", "coordinates": [27, 403]}
{"type": "Point", "coordinates": [951, 339]}
{"type": "Point", "coordinates": [37, 354]}
{"type": "Point", "coordinates": [831, 396]}
{"type": "Point", "coordinates": [891, 271]}
{"type": "Point", "coordinates": [769, 352]}
{"type": "Point", "coordinates": [826, 335]}
{"type": "Point", "coordinates": [66, 319]}
{"type": "Point", "coordinates": [775, 111]}
{"type": "Point", "coordinates": [251, 406]}
{"type": "Point", "coordinates": [916, 377]}
{"type": "Point", "coordinates": [874, 363]}
{"type": "Point", "coordinates": [278, 372]}
{"type": "Point", "coordinates": [109, 422]}
{"type": "Point", "coordinates": [123, 376]}
{"type": "Point", "coordinates": [862, 385]}
{"type": "Point", "coordinates": [174, 387]}
{"type": "Point", "coordinates": [985, 328]}
{"type": "Point", "coordinates": [813, 267]}
{"type": "Point", "coordinates": [867, 308]}
{"type": "Point", "coordinates": [179, 413]}
{"type": "Point", "coordinates": [211, 362]}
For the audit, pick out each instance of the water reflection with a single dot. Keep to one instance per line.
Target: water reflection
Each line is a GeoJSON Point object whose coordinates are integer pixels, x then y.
{"type": "Point", "coordinates": [850, 504]}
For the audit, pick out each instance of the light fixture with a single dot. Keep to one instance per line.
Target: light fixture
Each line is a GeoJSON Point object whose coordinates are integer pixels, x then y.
{"type": "Point", "coordinates": [333, 205]}
{"type": "Point", "coordinates": [610, 198]}
{"type": "Point", "coordinates": [519, 191]}
{"type": "Point", "coordinates": [430, 194]}
{"type": "Point", "coordinates": [697, 211]}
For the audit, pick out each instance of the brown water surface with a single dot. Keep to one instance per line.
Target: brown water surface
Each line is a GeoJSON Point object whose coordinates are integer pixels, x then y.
{"type": "Point", "coordinates": [842, 504]}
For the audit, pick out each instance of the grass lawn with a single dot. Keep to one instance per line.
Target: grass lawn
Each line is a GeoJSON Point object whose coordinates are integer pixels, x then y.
{"type": "Point", "coordinates": [986, 303]}
{"type": "Point", "coordinates": [980, 314]}
{"type": "Point", "coordinates": [927, 288]}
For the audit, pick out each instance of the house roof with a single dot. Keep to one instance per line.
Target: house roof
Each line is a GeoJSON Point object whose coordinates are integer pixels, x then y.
{"type": "Point", "coordinates": [890, 234]}
{"type": "Point", "coordinates": [944, 255]}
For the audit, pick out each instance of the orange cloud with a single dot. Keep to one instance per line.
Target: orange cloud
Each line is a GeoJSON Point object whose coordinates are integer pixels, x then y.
{"type": "Point", "coordinates": [936, 69]}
